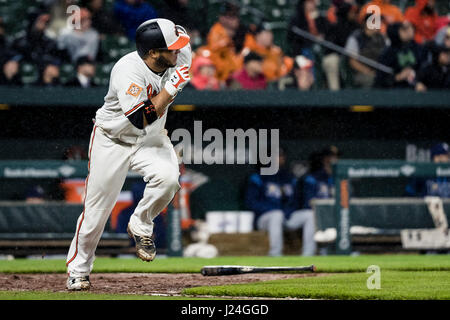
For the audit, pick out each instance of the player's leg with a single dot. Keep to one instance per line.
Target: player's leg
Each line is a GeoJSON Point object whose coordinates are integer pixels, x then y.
{"type": "Point", "coordinates": [304, 219]}
{"type": "Point", "coordinates": [156, 161]}
{"type": "Point", "coordinates": [108, 167]}
{"type": "Point", "coordinates": [272, 222]}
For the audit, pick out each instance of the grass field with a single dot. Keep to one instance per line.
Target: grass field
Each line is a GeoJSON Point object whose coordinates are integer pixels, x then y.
{"type": "Point", "coordinates": [402, 277]}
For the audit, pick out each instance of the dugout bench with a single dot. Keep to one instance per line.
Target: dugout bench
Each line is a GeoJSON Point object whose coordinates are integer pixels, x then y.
{"type": "Point", "coordinates": [375, 223]}
{"type": "Point", "coordinates": [48, 228]}
{"type": "Point", "coordinates": [346, 170]}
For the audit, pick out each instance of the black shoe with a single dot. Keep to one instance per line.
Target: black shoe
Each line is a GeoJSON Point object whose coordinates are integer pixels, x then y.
{"type": "Point", "coordinates": [145, 247]}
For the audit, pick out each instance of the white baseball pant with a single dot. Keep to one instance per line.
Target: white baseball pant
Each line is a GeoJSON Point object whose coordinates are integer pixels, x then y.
{"type": "Point", "coordinates": [274, 222]}
{"type": "Point", "coordinates": [109, 162]}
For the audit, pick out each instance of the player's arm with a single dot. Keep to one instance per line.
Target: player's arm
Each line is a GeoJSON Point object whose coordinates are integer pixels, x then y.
{"type": "Point", "coordinates": [140, 110]}
{"type": "Point", "coordinates": [156, 107]}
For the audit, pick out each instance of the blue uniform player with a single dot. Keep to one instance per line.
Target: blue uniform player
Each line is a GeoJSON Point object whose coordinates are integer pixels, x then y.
{"type": "Point", "coordinates": [318, 183]}
{"type": "Point", "coordinates": [273, 199]}
{"type": "Point", "coordinates": [439, 187]}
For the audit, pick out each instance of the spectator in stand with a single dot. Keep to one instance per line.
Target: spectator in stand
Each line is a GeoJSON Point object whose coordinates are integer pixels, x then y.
{"type": "Point", "coordinates": [338, 33]}
{"type": "Point", "coordinates": [59, 16]}
{"type": "Point", "coordinates": [49, 74]}
{"type": "Point", "coordinates": [131, 13]}
{"type": "Point", "coordinates": [435, 74]}
{"type": "Point", "coordinates": [251, 76]}
{"type": "Point", "coordinates": [424, 18]}
{"type": "Point", "coordinates": [389, 13]}
{"type": "Point", "coordinates": [103, 20]}
{"type": "Point", "coordinates": [404, 56]}
{"type": "Point", "coordinates": [275, 63]}
{"type": "Point", "coordinates": [204, 74]}
{"type": "Point", "coordinates": [273, 199]}
{"type": "Point", "coordinates": [241, 30]}
{"type": "Point", "coordinates": [83, 41]}
{"type": "Point", "coordinates": [443, 36]}
{"type": "Point", "coordinates": [33, 44]}
{"type": "Point", "coordinates": [85, 73]}
{"type": "Point", "coordinates": [443, 20]}
{"type": "Point", "coordinates": [10, 71]}
{"type": "Point", "coordinates": [9, 61]}
{"type": "Point", "coordinates": [307, 17]}
{"type": "Point", "coordinates": [331, 12]}
{"type": "Point", "coordinates": [368, 43]}
{"type": "Point", "coordinates": [300, 78]}
{"type": "Point", "coordinates": [441, 39]}
{"type": "Point", "coordinates": [220, 46]}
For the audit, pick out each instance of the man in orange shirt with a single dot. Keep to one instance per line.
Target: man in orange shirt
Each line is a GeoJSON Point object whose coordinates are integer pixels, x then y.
{"type": "Point", "coordinates": [424, 18]}
{"type": "Point", "coordinates": [220, 47]}
{"type": "Point", "coordinates": [389, 13]}
{"type": "Point", "coordinates": [275, 63]}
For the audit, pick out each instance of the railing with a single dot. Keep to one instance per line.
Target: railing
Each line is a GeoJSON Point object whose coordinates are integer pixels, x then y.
{"type": "Point", "coordinates": [93, 97]}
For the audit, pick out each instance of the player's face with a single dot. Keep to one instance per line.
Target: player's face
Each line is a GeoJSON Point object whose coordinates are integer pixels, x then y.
{"type": "Point", "coordinates": [167, 58]}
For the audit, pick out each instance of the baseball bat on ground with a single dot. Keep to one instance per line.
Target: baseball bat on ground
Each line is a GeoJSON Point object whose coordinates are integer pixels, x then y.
{"type": "Point", "coordinates": [230, 270]}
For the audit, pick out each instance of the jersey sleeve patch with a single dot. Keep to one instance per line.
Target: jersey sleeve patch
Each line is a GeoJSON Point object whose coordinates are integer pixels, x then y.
{"type": "Point", "coordinates": [134, 90]}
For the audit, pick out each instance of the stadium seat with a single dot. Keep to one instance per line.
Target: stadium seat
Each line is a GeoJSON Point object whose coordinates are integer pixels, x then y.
{"type": "Point", "coordinates": [102, 74]}
{"type": "Point", "coordinates": [115, 47]}
{"type": "Point", "coordinates": [67, 71]}
{"type": "Point", "coordinates": [29, 73]}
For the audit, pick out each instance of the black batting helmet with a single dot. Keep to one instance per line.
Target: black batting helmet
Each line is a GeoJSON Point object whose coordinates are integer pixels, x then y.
{"type": "Point", "coordinates": [160, 34]}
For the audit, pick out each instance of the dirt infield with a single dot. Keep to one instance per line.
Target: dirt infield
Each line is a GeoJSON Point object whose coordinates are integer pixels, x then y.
{"type": "Point", "coordinates": [134, 283]}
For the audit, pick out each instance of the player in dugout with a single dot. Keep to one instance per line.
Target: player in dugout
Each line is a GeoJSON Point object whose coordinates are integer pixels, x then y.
{"type": "Point", "coordinates": [273, 199]}
{"type": "Point", "coordinates": [439, 187]}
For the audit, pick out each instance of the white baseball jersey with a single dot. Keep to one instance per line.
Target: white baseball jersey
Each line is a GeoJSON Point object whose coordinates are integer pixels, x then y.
{"type": "Point", "coordinates": [131, 83]}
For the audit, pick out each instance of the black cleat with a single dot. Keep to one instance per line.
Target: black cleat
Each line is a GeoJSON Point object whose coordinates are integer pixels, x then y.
{"type": "Point", "coordinates": [145, 247]}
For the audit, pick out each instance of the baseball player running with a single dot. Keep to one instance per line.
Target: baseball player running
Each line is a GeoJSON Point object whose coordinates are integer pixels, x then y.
{"type": "Point", "coordinates": [129, 134]}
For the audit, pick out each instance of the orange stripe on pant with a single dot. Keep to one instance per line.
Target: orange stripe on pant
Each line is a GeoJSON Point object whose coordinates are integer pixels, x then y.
{"type": "Point", "coordinates": [85, 196]}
